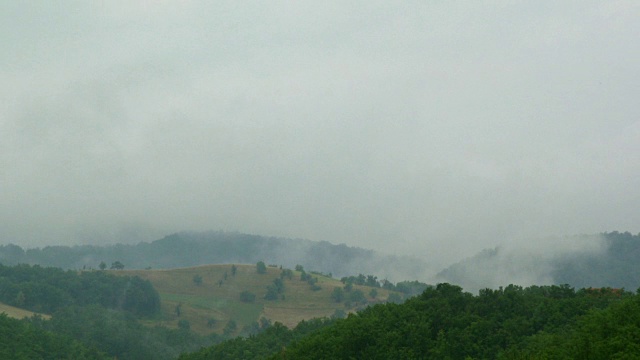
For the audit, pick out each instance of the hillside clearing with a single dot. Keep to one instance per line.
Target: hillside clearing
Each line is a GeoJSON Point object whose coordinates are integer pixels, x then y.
{"type": "Point", "coordinates": [208, 296]}
{"type": "Point", "coordinates": [18, 313]}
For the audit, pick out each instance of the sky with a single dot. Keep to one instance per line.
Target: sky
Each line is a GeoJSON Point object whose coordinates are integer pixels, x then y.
{"type": "Point", "coordinates": [428, 128]}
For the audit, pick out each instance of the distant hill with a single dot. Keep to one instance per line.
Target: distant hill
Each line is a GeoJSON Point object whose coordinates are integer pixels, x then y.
{"type": "Point", "coordinates": [210, 297]}
{"type": "Point", "coordinates": [605, 260]}
{"type": "Point", "coordinates": [193, 249]}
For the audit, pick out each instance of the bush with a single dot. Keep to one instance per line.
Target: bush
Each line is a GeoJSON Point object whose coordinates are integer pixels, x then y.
{"type": "Point", "coordinates": [247, 296]}
{"type": "Point", "coordinates": [197, 279]}
{"type": "Point", "coordinates": [272, 293]}
{"type": "Point", "coordinates": [261, 268]}
{"type": "Point", "coordinates": [337, 294]}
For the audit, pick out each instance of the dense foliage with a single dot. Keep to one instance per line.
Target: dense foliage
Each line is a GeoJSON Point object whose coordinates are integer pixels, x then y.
{"type": "Point", "coordinates": [546, 322]}
{"type": "Point", "coordinates": [259, 346]}
{"type": "Point", "coordinates": [90, 310]}
{"type": "Point", "coordinates": [119, 334]}
{"type": "Point", "coordinates": [19, 339]}
{"type": "Point", "coordinates": [48, 289]}
{"type": "Point", "coordinates": [510, 323]}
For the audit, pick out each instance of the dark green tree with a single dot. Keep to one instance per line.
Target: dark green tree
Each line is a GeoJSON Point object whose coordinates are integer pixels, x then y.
{"type": "Point", "coordinates": [230, 328]}
{"type": "Point", "coordinates": [357, 296]}
{"type": "Point", "coordinates": [197, 279]}
{"type": "Point", "coordinates": [373, 293]}
{"type": "Point", "coordinates": [272, 293]}
{"type": "Point", "coordinates": [279, 284]}
{"type": "Point", "coordinates": [337, 294]}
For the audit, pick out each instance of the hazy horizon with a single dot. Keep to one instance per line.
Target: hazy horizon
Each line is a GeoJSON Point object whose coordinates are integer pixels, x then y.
{"type": "Point", "coordinates": [428, 129]}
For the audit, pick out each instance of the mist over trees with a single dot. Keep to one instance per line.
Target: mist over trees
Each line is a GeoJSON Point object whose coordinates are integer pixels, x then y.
{"type": "Point", "coordinates": [594, 260]}
{"type": "Point", "coordinates": [99, 314]}
{"type": "Point", "coordinates": [23, 340]}
{"type": "Point", "coordinates": [604, 260]}
{"type": "Point", "coordinates": [91, 315]}
{"type": "Point", "coordinates": [192, 249]}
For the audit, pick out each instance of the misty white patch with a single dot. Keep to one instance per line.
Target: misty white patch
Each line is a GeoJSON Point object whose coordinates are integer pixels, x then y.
{"type": "Point", "coordinates": [529, 263]}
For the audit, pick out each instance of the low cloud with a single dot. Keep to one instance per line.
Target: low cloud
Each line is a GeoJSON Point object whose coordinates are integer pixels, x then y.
{"type": "Point", "coordinates": [527, 264]}
{"type": "Point", "coordinates": [432, 130]}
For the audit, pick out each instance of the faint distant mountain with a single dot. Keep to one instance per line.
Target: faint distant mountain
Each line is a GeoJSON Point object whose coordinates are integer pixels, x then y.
{"type": "Point", "coordinates": [604, 260]}
{"type": "Point", "coordinates": [191, 249]}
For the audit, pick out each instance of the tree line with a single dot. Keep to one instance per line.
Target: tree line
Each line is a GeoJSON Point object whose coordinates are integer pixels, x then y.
{"type": "Point", "coordinates": [46, 290]}
{"type": "Point", "coordinates": [444, 322]}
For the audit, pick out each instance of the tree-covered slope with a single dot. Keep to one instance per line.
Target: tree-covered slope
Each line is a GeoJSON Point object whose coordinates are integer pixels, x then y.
{"type": "Point", "coordinates": [260, 346]}
{"type": "Point", "coordinates": [545, 322]}
{"type": "Point", "coordinates": [19, 339]}
{"type": "Point", "coordinates": [88, 310]}
{"type": "Point", "coordinates": [604, 260]}
{"type": "Point", "coordinates": [616, 266]}
{"type": "Point", "coordinates": [46, 290]}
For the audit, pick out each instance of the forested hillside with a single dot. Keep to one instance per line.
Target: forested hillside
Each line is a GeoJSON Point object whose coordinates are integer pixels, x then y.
{"type": "Point", "coordinates": [120, 313]}
{"type": "Point", "coordinates": [612, 264]}
{"type": "Point", "coordinates": [47, 290]}
{"type": "Point", "coordinates": [97, 313]}
{"type": "Point", "coordinates": [192, 249]}
{"type": "Point", "coordinates": [92, 313]}
{"type": "Point", "coordinates": [22, 340]}
{"type": "Point", "coordinates": [541, 322]}
{"type": "Point", "coordinates": [604, 260]}
{"type": "Point", "coordinates": [616, 267]}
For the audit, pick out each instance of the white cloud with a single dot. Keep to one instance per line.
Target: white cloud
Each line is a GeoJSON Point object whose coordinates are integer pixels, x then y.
{"type": "Point", "coordinates": [438, 128]}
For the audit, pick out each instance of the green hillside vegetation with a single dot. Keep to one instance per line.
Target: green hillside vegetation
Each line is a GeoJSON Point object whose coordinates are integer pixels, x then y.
{"type": "Point", "coordinates": [538, 322]}
{"type": "Point", "coordinates": [614, 265]}
{"type": "Point", "coordinates": [88, 310]}
{"type": "Point", "coordinates": [19, 339]}
{"type": "Point", "coordinates": [210, 298]}
{"type": "Point", "coordinates": [47, 290]}
{"type": "Point", "coordinates": [120, 313]}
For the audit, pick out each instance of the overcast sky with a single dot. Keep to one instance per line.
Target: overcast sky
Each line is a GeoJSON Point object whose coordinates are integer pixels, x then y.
{"type": "Point", "coordinates": [432, 128]}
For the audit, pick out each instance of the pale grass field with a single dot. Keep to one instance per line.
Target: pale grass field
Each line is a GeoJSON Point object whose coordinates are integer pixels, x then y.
{"type": "Point", "coordinates": [18, 313]}
{"type": "Point", "coordinates": [219, 298]}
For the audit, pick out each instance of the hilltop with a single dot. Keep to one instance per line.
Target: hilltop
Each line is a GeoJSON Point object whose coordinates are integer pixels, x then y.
{"type": "Point", "coordinates": [159, 314]}
{"type": "Point", "coordinates": [210, 297]}
{"type": "Point", "coordinates": [189, 249]}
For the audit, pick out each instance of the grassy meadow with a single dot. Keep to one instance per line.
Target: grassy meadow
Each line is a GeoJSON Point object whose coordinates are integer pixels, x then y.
{"type": "Point", "coordinates": [18, 313]}
{"type": "Point", "coordinates": [210, 304]}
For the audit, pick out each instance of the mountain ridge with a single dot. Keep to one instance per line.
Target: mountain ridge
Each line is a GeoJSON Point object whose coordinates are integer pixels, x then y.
{"type": "Point", "coordinates": [187, 249]}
